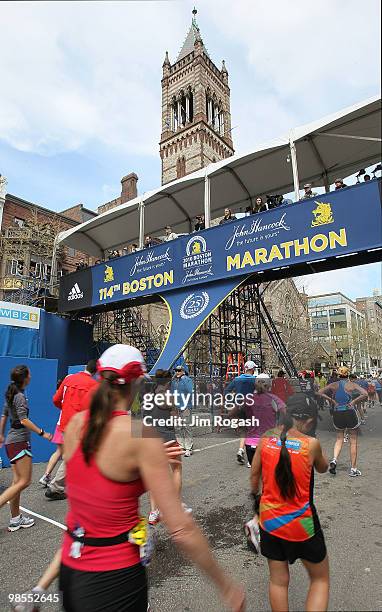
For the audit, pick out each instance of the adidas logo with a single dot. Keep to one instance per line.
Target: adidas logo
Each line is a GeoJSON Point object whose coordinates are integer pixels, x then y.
{"type": "Point", "coordinates": [75, 293]}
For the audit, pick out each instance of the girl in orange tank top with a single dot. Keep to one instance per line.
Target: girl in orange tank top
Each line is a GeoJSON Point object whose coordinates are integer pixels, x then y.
{"type": "Point", "coordinates": [289, 524]}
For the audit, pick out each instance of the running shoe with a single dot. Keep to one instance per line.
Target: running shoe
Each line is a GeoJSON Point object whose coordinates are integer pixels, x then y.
{"type": "Point", "coordinates": [354, 472]}
{"type": "Point", "coordinates": [186, 508]}
{"type": "Point", "coordinates": [45, 480]}
{"type": "Point", "coordinates": [240, 455]}
{"type": "Point", "coordinates": [252, 532]}
{"type": "Point", "coordinates": [154, 517]}
{"type": "Point", "coordinates": [188, 453]}
{"type": "Point", "coordinates": [333, 466]}
{"type": "Point", "coordinates": [248, 464]}
{"type": "Point", "coordinates": [54, 495]}
{"type": "Point", "coordinates": [24, 522]}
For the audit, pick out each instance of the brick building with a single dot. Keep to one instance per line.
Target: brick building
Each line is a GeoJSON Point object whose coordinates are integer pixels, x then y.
{"type": "Point", "coordinates": [27, 234]}
{"type": "Point", "coordinates": [196, 115]}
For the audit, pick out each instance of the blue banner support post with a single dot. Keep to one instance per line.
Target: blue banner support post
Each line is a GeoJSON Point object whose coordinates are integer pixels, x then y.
{"type": "Point", "coordinates": [188, 310]}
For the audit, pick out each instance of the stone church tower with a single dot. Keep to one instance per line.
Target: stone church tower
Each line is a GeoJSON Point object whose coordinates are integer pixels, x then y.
{"type": "Point", "coordinates": [196, 116]}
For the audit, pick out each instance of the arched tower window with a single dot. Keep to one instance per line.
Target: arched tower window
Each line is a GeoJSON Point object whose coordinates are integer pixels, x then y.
{"type": "Point", "coordinates": [182, 109]}
{"type": "Point", "coordinates": [214, 113]}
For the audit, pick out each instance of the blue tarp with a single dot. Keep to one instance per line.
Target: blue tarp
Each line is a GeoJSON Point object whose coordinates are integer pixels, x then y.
{"type": "Point", "coordinates": [70, 342]}
{"type": "Point", "coordinates": [39, 393]}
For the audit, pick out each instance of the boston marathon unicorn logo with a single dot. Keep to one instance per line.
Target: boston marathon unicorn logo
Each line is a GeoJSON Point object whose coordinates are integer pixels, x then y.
{"type": "Point", "coordinates": [323, 214]}
{"type": "Point", "coordinates": [109, 274]}
{"type": "Point", "coordinates": [196, 248]}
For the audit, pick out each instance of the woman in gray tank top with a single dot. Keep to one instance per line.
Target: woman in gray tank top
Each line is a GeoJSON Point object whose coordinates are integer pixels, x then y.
{"type": "Point", "coordinates": [17, 444]}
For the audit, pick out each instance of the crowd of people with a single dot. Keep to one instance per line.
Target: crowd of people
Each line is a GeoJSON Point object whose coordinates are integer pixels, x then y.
{"type": "Point", "coordinates": [106, 467]}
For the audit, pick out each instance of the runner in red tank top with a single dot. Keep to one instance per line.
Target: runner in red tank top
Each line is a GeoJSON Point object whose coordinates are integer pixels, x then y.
{"type": "Point", "coordinates": [107, 471]}
{"type": "Point", "coordinates": [289, 524]}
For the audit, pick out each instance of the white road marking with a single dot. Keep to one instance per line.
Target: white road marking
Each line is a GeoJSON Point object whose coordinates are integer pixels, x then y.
{"type": "Point", "coordinates": [199, 450]}
{"type": "Point", "coordinates": [44, 518]}
{"type": "Point", "coordinates": [61, 526]}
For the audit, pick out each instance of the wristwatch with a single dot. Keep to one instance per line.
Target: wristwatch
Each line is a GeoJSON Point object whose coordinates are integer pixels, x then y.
{"type": "Point", "coordinates": [41, 432]}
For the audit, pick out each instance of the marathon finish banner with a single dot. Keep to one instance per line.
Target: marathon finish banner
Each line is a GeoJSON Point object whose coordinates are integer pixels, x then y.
{"type": "Point", "coordinates": [337, 223]}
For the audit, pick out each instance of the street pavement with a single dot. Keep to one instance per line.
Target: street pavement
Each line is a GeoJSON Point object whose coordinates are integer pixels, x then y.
{"type": "Point", "coordinates": [217, 488]}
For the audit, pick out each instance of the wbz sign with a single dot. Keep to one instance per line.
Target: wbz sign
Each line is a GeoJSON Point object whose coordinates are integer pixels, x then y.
{"type": "Point", "coordinates": [19, 315]}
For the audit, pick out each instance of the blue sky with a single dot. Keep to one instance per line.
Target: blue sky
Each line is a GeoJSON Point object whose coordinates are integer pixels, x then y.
{"type": "Point", "coordinates": [80, 87]}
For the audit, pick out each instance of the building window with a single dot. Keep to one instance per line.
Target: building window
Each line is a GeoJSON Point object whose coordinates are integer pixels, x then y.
{"type": "Point", "coordinates": [181, 167]}
{"type": "Point", "coordinates": [182, 109]}
{"type": "Point", "coordinates": [14, 267]}
{"type": "Point", "coordinates": [215, 113]}
{"type": "Point", "coordinates": [337, 311]}
{"type": "Point", "coordinates": [19, 221]}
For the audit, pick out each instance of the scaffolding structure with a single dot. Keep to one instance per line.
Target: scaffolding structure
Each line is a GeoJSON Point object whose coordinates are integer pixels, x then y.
{"type": "Point", "coordinates": [232, 329]}
{"type": "Point", "coordinates": [127, 326]}
{"type": "Point", "coordinates": [240, 326]}
{"type": "Point", "coordinates": [237, 329]}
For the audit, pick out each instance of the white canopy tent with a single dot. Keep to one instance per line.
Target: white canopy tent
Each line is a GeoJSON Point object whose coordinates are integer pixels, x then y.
{"type": "Point", "coordinates": [319, 152]}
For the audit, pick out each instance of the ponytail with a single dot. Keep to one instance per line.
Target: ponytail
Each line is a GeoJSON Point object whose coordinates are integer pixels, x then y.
{"type": "Point", "coordinates": [18, 376]}
{"type": "Point", "coordinates": [101, 407]}
{"type": "Point", "coordinates": [283, 473]}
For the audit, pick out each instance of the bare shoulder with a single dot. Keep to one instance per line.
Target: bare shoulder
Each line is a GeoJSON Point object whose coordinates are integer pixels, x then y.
{"type": "Point", "coordinates": [314, 446]}
{"type": "Point", "coordinates": [75, 424]}
{"type": "Point", "coordinates": [72, 435]}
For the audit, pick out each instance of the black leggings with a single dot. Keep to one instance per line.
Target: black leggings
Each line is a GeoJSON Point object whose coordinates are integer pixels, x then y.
{"type": "Point", "coordinates": [250, 450]}
{"type": "Point", "coordinates": [122, 590]}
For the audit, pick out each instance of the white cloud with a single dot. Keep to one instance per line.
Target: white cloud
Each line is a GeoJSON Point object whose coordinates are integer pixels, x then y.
{"type": "Point", "coordinates": [76, 73]}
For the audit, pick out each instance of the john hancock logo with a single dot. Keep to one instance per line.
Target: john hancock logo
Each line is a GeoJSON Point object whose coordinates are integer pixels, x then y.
{"type": "Point", "coordinates": [323, 214]}
{"type": "Point", "coordinates": [109, 274]}
{"type": "Point", "coordinates": [194, 305]}
{"type": "Point", "coordinates": [197, 263]}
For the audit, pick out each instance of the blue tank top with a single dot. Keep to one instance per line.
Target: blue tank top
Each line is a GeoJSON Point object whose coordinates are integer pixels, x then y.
{"type": "Point", "coordinates": [341, 396]}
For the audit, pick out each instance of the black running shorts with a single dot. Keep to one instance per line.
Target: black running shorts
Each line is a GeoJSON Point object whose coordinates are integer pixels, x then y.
{"type": "Point", "coordinates": [113, 591]}
{"type": "Point", "coordinates": [278, 549]}
{"type": "Point", "coordinates": [345, 418]}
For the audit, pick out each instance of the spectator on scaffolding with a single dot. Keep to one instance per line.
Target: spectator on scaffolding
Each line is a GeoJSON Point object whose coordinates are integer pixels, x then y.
{"type": "Point", "coordinates": [308, 193]}
{"type": "Point", "coordinates": [367, 177]}
{"type": "Point", "coordinates": [200, 223]}
{"type": "Point", "coordinates": [339, 184]}
{"type": "Point", "coordinates": [81, 265]}
{"type": "Point", "coordinates": [228, 216]}
{"type": "Point", "coordinates": [132, 248]}
{"type": "Point", "coordinates": [170, 235]}
{"type": "Point", "coordinates": [260, 205]}
{"type": "Point", "coordinates": [148, 242]}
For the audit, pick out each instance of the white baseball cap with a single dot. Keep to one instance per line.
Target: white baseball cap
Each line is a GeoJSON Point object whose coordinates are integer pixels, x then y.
{"type": "Point", "coordinates": [249, 365]}
{"type": "Point", "coordinates": [264, 376]}
{"type": "Point", "coordinates": [126, 361]}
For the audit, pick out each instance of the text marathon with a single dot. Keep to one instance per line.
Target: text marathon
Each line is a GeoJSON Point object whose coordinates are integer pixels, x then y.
{"type": "Point", "coordinates": [287, 250]}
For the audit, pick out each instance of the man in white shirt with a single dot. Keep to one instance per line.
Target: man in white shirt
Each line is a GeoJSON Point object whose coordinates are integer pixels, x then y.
{"type": "Point", "coordinates": [170, 235]}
